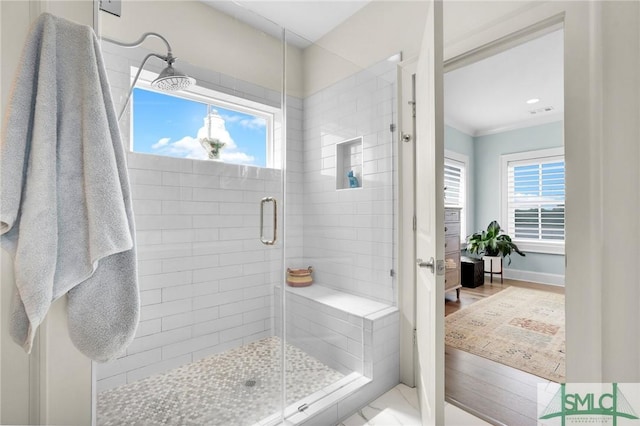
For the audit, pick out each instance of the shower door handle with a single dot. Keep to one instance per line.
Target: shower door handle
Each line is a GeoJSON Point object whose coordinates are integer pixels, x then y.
{"type": "Point", "coordinates": [275, 220]}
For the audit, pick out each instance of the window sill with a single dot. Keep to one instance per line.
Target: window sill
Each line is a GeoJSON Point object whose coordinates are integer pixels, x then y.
{"type": "Point", "coordinates": [540, 247]}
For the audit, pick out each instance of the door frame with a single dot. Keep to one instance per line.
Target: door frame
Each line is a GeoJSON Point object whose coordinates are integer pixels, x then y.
{"type": "Point", "coordinates": [406, 225]}
{"type": "Point", "coordinates": [583, 148]}
{"type": "Point", "coordinates": [581, 22]}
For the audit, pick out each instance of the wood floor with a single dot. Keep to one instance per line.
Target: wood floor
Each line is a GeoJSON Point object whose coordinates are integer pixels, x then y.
{"type": "Point", "coordinates": [497, 393]}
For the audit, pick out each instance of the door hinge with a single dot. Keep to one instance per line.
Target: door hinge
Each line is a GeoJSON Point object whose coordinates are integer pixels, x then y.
{"type": "Point", "coordinates": [113, 7]}
{"type": "Point", "coordinates": [392, 273]}
{"type": "Point", "coordinates": [415, 336]}
{"type": "Point", "coordinates": [392, 127]}
{"type": "Point", "coordinates": [415, 222]}
{"type": "Point", "coordinates": [413, 108]}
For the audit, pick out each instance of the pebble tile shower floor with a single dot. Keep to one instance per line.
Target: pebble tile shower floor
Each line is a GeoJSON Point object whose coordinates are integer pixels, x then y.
{"type": "Point", "coordinates": [217, 390]}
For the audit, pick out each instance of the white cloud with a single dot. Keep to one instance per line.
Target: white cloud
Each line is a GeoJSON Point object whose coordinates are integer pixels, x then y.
{"type": "Point", "coordinates": [162, 142]}
{"type": "Point", "coordinates": [231, 118]}
{"type": "Point", "coordinates": [254, 123]}
{"type": "Point", "coordinates": [216, 129]}
{"type": "Point", "coordinates": [190, 147]}
{"type": "Point", "coordinates": [187, 147]}
{"type": "Point", "coordinates": [249, 123]}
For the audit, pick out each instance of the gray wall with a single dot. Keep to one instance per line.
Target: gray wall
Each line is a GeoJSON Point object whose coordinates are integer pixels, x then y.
{"type": "Point", "coordinates": [485, 152]}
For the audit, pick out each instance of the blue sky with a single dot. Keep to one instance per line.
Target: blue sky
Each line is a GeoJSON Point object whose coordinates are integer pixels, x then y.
{"type": "Point", "coordinates": [169, 125]}
{"type": "Point", "coordinates": [527, 180]}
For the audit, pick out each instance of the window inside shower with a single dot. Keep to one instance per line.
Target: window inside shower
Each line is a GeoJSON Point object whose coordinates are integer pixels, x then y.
{"type": "Point", "coordinates": [177, 124]}
{"type": "Point", "coordinates": [223, 339]}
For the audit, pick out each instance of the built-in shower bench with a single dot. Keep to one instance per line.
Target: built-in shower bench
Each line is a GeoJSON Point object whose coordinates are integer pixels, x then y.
{"type": "Point", "coordinates": [356, 336]}
{"type": "Point", "coordinates": [345, 302]}
{"type": "Point", "coordinates": [341, 329]}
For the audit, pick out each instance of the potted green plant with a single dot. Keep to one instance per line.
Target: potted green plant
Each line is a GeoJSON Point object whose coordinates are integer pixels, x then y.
{"type": "Point", "coordinates": [212, 146]}
{"type": "Point", "coordinates": [493, 245]}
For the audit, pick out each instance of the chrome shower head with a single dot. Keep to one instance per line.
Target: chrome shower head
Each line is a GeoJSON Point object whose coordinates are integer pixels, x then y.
{"type": "Point", "coordinates": [168, 80]}
{"type": "Point", "coordinates": [171, 79]}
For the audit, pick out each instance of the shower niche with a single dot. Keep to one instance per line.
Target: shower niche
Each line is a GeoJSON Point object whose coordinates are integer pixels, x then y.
{"type": "Point", "coordinates": [349, 164]}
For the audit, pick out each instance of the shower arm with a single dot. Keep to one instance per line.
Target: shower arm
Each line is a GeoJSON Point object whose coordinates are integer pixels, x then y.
{"type": "Point", "coordinates": [139, 41]}
{"type": "Point", "coordinates": [169, 59]}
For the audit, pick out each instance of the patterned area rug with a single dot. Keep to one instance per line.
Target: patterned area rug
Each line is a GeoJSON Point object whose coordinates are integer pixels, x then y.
{"type": "Point", "coordinates": [518, 327]}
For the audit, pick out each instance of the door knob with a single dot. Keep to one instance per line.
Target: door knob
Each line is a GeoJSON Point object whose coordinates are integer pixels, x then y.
{"type": "Point", "coordinates": [430, 264]}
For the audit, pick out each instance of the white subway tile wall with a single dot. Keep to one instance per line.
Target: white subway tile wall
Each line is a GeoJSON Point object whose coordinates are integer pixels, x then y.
{"type": "Point", "coordinates": [202, 291]}
{"type": "Point", "coordinates": [325, 333]}
{"type": "Point", "coordinates": [350, 242]}
{"type": "Point", "coordinates": [346, 332]}
{"type": "Point", "coordinates": [205, 279]}
{"type": "Point", "coordinates": [383, 370]}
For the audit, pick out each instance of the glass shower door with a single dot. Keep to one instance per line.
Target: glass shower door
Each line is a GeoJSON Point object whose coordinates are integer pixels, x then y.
{"type": "Point", "coordinates": [206, 170]}
{"type": "Point", "coordinates": [340, 218]}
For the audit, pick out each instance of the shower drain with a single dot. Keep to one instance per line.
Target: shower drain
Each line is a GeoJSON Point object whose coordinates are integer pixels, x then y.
{"type": "Point", "coordinates": [250, 383]}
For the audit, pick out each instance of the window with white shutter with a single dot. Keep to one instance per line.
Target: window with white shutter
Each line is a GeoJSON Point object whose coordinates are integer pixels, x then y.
{"type": "Point", "coordinates": [455, 186]}
{"type": "Point", "coordinates": [453, 183]}
{"type": "Point", "coordinates": [533, 199]}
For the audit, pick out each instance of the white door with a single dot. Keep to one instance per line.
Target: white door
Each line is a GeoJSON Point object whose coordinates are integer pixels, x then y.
{"type": "Point", "coordinates": [430, 220]}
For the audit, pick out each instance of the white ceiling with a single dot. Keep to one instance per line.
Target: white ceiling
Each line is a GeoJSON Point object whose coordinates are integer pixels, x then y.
{"type": "Point", "coordinates": [482, 98]}
{"type": "Point", "coordinates": [308, 19]}
{"type": "Point", "coordinates": [490, 95]}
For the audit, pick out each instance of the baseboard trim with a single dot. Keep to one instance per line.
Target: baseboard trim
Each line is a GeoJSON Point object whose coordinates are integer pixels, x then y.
{"type": "Point", "coordinates": [473, 411]}
{"type": "Point", "coordinates": [534, 277]}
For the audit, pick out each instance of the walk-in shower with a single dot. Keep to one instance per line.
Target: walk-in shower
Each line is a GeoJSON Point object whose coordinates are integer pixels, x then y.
{"type": "Point", "coordinates": [222, 338]}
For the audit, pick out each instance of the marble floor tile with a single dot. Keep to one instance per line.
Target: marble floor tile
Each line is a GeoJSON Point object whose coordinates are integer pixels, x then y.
{"type": "Point", "coordinates": [454, 416]}
{"type": "Point", "coordinates": [400, 407]}
{"type": "Point", "coordinates": [393, 408]}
